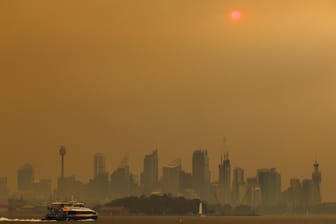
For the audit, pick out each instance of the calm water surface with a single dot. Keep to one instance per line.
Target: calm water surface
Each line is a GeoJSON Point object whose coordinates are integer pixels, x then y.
{"type": "Point", "coordinates": [193, 220]}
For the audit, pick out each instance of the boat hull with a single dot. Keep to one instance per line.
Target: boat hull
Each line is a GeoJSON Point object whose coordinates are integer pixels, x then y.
{"type": "Point", "coordinates": [72, 218]}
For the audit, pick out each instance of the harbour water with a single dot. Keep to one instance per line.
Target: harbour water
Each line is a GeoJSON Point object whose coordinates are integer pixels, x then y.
{"type": "Point", "coordinates": [195, 220]}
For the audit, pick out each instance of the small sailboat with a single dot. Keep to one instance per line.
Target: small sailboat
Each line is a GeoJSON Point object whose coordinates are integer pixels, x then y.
{"type": "Point", "coordinates": [200, 210]}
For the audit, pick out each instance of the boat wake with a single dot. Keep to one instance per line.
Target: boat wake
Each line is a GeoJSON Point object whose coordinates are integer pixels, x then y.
{"type": "Point", "coordinates": [4, 219]}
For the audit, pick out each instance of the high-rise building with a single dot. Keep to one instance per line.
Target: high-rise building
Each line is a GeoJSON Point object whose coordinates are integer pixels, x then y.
{"type": "Point", "coordinates": [69, 187]}
{"type": "Point", "coordinates": [294, 194]}
{"type": "Point", "coordinates": [122, 182]}
{"type": "Point", "coordinates": [225, 179]}
{"type": "Point", "coordinates": [150, 174]}
{"type": "Point", "coordinates": [269, 181]}
{"type": "Point", "coordinates": [316, 178]}
{"type": "Point", "coordinates": [25, 177]}
{"type": "Point", "coordinates": [171, 178]}
{"type": "Point", "coordinates": [98, 165]}
{"type": "Point", "coordinates": [252, 195]}
{"type": "Point", "coordinates": [201, 173]}
{"type": "Point", "coordinates": [225, 171]}
{"type": "Point", "coordinates": [307, 192]}
{"type": "Point", "coordinates": [99, 185]}
{"type": "Point", "coordinates": [186, 181]}
{"type": "Point", "coordinates": [42, 189]}
{"type": "Point", "coordinates": [237, 184]}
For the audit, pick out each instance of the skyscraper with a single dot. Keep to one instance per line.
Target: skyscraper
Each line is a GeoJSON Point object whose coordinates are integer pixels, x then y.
{"type": "Point", "coordinates": [294, 194]}
{"type": "Point", "coordinates": [201, 173]}
{"type": "Point", "coordinates": [150, 174]}
{"type": "Point", "coordinates": [122, 183]}
{"type": "Point", "coordinates": [99, 185]}
{"type": "Point", "coordinates": [25, 177]}
{"type": "Point", "coordinates": [237, 183]}
{"type": "Point", "coordinates": [225, 179]}
{"type": "Point", "coordinates": [252, 196]}
{"type": "Point", "coordinates": [307, 192]}
{"type": "Point", "coordinates": [171, 177]}
{"type": "Point", "coordinates": [316, 182]}
{"type": "Point", "coordinates": [98, 164]}
{"type": "Point", "coordinates": [269, 181]}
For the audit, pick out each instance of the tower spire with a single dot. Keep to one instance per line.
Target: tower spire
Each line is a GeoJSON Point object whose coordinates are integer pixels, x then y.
{"type": "Point", "coordinates": [62, 152]}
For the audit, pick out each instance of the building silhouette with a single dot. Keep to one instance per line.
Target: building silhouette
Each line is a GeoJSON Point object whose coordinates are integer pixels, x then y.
{"type": "Point", "coordinates": [62, 152]}
{"type": "Point", "coordinates": [171, 178]}
{"type": "Point", "coordinates": [99, 185]}
{"type": "Point", "coordinates": [122, 183]}
{"type": "Point", "coordinates": [269, 181]}
{"type": "Point", "coordinates": [98, 165]}
{"type": "Point", "coordinates": [294, 195]}
{"type": "Point", "coordinates": [238, 185]}
{"type": "Point", "coordinates": [316, 183]}
{"type": "Point", "coordinates": [201, 173]}
{"type": "Point", "coordinates": [252, 196]}
{"type": "Point", "coordinates": [307, 192]}
{"type": "Point", "coordinates": [186, 181]}
{"type": "Point", "coordinates": [61, 180]}
{"type": "Point", "coordinates": [42, 189]}
{"type": "Point", "coordinates": [224, 179]}
{"type": "Point", "coordinates": [25, 177]}
{"type": "Point", "coordinates": [69, 188]}
{"type": "Point", "coordinates": [150, 175]}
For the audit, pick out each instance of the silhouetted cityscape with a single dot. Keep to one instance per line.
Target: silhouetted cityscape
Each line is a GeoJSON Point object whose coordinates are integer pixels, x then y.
{"type": "Point", "coordinates": [231, 188]}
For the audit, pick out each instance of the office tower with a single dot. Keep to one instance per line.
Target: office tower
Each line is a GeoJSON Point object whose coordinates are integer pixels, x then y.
{"type": "Point", "coordinates": [316, 181]}
{"type": "Point", "coordinates": [252, 195]}
{"type": "Point", "coordinates": [225, 179]}
{"type": "Point", "coordinates": [201, 173]}
{"type": "Point", "coordinates": [269, 181]}
{"type": "Point", "coordinates": [171, 177]}
{"type": "Point", "coordinates": [42, 189]}
{"type": "Point", "coordinates": [69, 188]}
{"type": "Point", "coordinates": [25, 177]}
{"type": "Point", "coordinates": [294, 194]}
{"type": "Point", "coordinates": [186, 181]}
{"type": "Point", "coordinates": [98, 165]}
{"type": "Point", "coordinates": [307, 192]}
{"type": "Point", "coordinates": [99, 185]}
{"type": "Point", "coordinates": [237, 185]}
{"type": "Point", "coordinates": [150, 176]}
{"type": "Point", "coordinates": [122, 183]}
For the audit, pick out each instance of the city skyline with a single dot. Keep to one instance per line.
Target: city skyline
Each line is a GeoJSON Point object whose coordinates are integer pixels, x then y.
{"type": "Point", "coordinates": [120, 77]}
{"type": "Point", "coordinates": [226, 180]}
{"type": "Point", "coordinates": [263, 191]}
{"type": "Point", "coordinates": [137, 166]}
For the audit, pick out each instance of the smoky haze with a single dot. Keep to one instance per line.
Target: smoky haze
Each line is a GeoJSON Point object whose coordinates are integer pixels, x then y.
{"type": "Point", "coordinates": [120, 77]}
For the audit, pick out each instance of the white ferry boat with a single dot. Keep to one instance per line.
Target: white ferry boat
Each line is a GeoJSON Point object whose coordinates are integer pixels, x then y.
{"type": "Point", "coordinates": [69, 211]}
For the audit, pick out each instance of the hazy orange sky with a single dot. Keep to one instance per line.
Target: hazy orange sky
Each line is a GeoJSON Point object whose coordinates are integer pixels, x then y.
{"type": "Point", "coordinates": [121, 76]}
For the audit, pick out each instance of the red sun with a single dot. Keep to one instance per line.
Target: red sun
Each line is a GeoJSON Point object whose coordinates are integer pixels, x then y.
{"type": "Point", "coordinates": [235, 15]}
